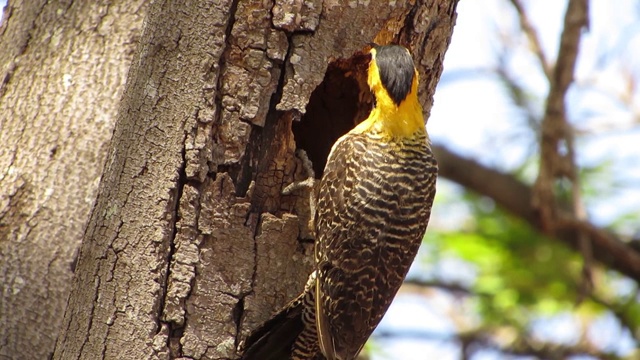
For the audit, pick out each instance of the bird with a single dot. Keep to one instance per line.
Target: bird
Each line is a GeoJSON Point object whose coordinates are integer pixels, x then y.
{"type": "Point", "coordinates": [373, 206]}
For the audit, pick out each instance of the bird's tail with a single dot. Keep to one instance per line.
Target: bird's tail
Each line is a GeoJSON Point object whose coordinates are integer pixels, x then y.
{"type": "Point", "coordinates": [274, 339]}
{"type": "Point", "coordinates": [290, 334]}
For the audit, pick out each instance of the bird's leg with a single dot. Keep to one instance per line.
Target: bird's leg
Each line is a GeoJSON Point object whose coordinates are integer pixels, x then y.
{"type": "Point", "coordinates": [307, 165]}
{"type": "Point", "coordinates": [308, 186]}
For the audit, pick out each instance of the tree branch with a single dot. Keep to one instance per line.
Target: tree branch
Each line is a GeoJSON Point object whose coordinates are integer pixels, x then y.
{"type": "Point", "coordinates": [516, 198]}
{"type": "Point", "coordinates": [557, 147]}
{"type": "Point", "coordinates": [555, 140]}
{"type": "Point", "coordinates": [532, 34]}
{"type": "Point", "coordinates": [452, 287]}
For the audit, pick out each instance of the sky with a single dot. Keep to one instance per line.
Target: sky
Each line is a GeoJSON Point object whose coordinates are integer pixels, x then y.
{"type": "Point", "coordinates": [472, 51]}
{"type": "Point", "coordinates": [470, 98]}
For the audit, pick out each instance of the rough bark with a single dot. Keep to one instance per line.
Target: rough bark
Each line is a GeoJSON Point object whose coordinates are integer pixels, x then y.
{"type": "Point", "coordinates": [191, 243]}
{"type": "Point", "coordinates": [63, 67]}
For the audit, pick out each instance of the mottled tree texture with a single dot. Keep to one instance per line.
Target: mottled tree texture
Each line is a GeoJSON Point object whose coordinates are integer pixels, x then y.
{"type": "Point", "coordinates": [63, 66]}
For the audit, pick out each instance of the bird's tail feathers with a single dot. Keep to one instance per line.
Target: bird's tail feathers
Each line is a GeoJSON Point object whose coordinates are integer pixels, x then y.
{"type": "Point", "coordinates": [274, 339]}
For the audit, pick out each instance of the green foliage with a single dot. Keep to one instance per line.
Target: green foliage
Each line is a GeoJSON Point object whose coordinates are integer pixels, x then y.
{"type": "Point", "coordinates": [627, 224]}
{"type": "Point", "coordinates": [520, 274]}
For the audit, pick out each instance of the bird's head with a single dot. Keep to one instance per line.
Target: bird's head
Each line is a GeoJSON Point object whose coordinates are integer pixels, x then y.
{"type": "Point", "coordinates": [393, 79]}
{"type": "Point", "coordinates": [392, 76]}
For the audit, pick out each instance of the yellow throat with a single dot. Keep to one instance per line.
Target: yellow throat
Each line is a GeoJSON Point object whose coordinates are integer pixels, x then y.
{"type": "Point", "coordinates": [388, 118]}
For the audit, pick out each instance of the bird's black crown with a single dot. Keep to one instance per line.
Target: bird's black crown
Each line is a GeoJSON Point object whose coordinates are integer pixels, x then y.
{"type": "Point", "coordinates": [396, 70]}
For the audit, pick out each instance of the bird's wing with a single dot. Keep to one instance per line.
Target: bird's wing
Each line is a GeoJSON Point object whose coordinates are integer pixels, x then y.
{"type": "Point", "coordinates": [349, 221]}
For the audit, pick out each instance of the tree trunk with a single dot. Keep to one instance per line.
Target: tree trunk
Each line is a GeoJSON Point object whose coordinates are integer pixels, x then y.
{"type": "Point", "coordinates": [191, 243]}
{"type": "Point", "coordinates": [63, 67]}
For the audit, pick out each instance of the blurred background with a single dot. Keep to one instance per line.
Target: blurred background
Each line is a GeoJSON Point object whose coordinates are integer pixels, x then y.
{"type": "Point", "coordinates": [486, 284]}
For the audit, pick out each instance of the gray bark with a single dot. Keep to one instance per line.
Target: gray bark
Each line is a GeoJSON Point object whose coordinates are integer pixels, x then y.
{"type": "Point", "coordinates": [63, 67]}
{"type": "Point", "coordinates": [190, 243]}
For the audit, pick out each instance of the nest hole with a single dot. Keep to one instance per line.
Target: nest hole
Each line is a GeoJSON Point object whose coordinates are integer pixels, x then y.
{"type": "Point", "coordinates": [341, 101]}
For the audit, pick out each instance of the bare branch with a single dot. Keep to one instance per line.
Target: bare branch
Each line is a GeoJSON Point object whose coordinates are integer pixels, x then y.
{"type": "Point", "coordinates": [557, 158]}
{"type": "Point", "coordinates": [532, 34]}
{"type": "Point", "coordinates": [452, 287]}
{"type": "Point", "coordinates": [555, 128]}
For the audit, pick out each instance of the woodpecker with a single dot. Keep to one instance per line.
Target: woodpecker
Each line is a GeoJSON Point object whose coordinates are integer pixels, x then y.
{"type": "Point", "coordinates": [373, 207]}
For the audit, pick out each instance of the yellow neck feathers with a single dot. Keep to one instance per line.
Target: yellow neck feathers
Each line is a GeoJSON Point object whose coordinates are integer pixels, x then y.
{"type": "Point", "coordinates": [388, 118]}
